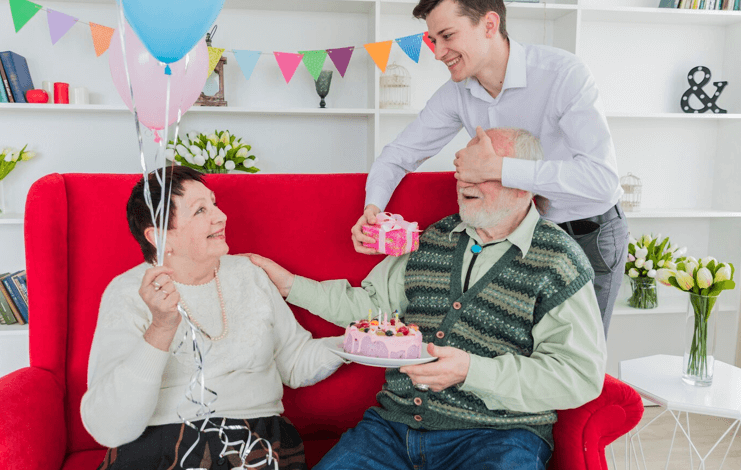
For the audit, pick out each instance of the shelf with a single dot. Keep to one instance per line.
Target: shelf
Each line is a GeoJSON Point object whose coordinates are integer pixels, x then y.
{"type": "Point", "coordinates": [11, 219]}
{"type": "Point", "coordinates": [661, 15]}
{"type": "Point", "coordinates": [531, 11]}
{"type": "Point", "coordinates": [625, 115]}
{"type": "Point", "coordinates": [668, 304]}
{"type": "Point", "coordinates": [104, 108]}
{"type": "Point", "coordinates": [681, 214]}
{"type": "Point", "coordinates": [14, 330]}
{"type": "Point", "coordinates": [342, 6]}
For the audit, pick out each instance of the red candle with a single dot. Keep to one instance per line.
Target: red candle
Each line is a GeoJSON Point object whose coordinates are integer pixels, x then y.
{"type": "Point", "coordinates": [61, 93]}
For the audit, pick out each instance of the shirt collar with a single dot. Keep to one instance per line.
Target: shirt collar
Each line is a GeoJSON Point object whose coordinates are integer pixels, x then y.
{"type": "Point", "coordinates": [514, 77]}
{"type": "Point", "coordinates": [521, 237]}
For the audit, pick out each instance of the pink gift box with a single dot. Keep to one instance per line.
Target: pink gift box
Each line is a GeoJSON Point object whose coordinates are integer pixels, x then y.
{"type": "Point", "coordinates": [397, 235]}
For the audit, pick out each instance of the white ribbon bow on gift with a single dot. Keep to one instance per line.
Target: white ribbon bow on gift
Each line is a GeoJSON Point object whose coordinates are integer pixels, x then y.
{"type": "Point", "coordinates": [390, 222]}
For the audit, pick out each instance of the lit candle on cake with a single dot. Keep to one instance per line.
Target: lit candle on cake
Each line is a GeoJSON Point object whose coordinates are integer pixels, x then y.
{"type": "Point", "coordinates": [370, 315]}
{"type": "Point", "coordinates": [379, 317]}
{"type": "Point", "coordinates": [396, 312]}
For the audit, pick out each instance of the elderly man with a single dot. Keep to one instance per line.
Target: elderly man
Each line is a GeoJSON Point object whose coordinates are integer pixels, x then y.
{"type": "Point", "coordinates": [505, 301]}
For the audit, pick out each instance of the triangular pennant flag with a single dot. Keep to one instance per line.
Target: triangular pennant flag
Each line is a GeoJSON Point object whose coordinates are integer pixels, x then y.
{"type": "Point", "coordinates": [341, 57]}
{"type": "Point", "coordinates": [314, 61]}
{"type": "Point", "coordinates": [59, 24]}
{"type": "Point", "coordinates": [379, 52]}
{"type": "Point", "coordinates": [214, 55]}
{"type": "Point", "coordinates": [247, 61]}
{"type": "Point", "coordinates": [288, 63]}
{"type": "Point", "coordinates": [22, 11]}
{"type": "Point", "coordinates": [426, 39]}
{"type": "Point", "coordinates": [101, 37]}
{"type": "Point", "coordinates": [411, 45]}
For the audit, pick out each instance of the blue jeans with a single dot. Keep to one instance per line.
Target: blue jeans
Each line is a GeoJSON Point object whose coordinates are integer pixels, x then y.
{"type": "Point", "coordinates": [379, 444]}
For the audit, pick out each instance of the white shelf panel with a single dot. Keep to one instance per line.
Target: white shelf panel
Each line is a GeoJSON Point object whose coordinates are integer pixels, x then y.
{"type": "Point", "coordinates": [680, 214]}
{"type": "Point", "coordinates": [11, 219]}
{"type": "Point", "coordinates": [532, 11]}
{"type": "Point", "coordinates": [626, 115]}
{"type": "Point", "coordinates": [661, 15]}
{"type": "Point", "coordinates": [668, 304]}
{"type": "Point", "coordinates": [342, 6]}
{"type": "Point", "coordinates": [194, 109]}
{"type": "Point", "coordinates": [13, 330]}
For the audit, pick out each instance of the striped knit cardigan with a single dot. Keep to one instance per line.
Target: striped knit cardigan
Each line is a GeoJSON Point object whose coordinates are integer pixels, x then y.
{"type": "Point", "coordinates": [495, 316]}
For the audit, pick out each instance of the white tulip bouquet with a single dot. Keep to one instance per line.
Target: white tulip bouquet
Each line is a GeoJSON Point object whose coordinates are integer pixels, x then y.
{"type": "Point", "coordinates": [704, 280]}
{"type": "Point", "coordinates": [647, 256]}
{"type": "Point", "coordinates": [9, 158]}
{"type": "Point", "coordinates": [219, 152]}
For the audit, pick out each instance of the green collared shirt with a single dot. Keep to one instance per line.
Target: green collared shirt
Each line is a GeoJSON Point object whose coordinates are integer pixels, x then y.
{"type": "Point", "coordinates": [566, 368]}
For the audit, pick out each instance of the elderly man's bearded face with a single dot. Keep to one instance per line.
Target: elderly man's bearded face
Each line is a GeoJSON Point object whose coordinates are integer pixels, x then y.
{"type": "Point", "coordinates": [485, 205]}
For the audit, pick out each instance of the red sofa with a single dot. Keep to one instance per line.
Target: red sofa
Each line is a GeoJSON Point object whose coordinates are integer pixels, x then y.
{"type": "Point", "coordinates": [77, 240]}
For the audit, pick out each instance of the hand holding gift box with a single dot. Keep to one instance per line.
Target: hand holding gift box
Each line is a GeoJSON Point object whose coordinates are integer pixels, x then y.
{"type": "Point", "coordinates": [393, 235]}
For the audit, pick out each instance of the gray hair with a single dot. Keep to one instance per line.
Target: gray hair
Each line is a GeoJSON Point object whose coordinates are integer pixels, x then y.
{"type": "Point", "coordinates": [527, 146]}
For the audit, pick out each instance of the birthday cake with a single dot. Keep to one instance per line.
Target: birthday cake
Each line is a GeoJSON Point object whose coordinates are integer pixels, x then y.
{"type": "Point", "coordinates": [387, 339]}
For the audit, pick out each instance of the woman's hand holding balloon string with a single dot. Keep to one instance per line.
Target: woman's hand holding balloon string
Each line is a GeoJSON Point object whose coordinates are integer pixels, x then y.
{"type": "Point", "coordinates": [159, 293]}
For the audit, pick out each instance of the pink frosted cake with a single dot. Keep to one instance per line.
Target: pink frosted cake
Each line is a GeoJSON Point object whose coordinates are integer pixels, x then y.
{"type": "Point", "coordinates": [391, 339]}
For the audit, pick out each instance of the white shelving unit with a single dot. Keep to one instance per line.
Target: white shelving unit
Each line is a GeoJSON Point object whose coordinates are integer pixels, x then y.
{"type": "Point", "coordinates": [640, 56]}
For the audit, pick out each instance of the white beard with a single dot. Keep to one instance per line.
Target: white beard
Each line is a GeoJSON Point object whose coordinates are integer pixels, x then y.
{"type": "Point", "coordinates": [482, 219]}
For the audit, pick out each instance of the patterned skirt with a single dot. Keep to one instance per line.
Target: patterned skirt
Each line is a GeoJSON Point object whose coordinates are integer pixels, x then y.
{"type": "Point", "coordinates": [163, 447]}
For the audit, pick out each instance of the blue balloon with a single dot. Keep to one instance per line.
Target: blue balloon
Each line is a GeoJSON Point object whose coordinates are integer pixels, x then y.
{"type": "Point", "coordinates": [169, 29]}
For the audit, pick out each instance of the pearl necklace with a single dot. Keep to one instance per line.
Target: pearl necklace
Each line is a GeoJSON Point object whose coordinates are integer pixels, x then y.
{"type": "Point", "coordinates": [225, 324]}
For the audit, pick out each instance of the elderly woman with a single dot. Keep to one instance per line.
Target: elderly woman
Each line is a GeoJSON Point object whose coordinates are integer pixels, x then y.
{"type": "Point", "coordinates": [136, 384]}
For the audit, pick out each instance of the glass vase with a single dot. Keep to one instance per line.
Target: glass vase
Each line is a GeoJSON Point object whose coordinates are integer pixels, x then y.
{"type": "Point", "coordinates": [700, 331]}
{"type": "Point", "coordinates": [643, 293]}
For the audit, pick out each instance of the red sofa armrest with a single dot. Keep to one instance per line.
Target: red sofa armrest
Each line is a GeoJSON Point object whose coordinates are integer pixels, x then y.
{"type": "Point", "coordinates": [33, 433]}
{"type": "Point", "coordinates": [581, 434]}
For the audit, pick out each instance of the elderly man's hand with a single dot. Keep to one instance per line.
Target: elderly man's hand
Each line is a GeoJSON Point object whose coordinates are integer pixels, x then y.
{"type": "Point", "coordinates": [478, 162]}
{"type": "Point", "coordinates": [358, 237]}
{"type": "Point", "coordinates": [281, 277]}
{"type": "Point", "coordinates": [451, 368]}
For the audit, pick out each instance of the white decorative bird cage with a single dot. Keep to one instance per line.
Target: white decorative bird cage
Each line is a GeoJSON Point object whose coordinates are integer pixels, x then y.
{"type": "Point", "coordinates": [395, 88]}
{"type": "Point", "coordinates": [631, 200]}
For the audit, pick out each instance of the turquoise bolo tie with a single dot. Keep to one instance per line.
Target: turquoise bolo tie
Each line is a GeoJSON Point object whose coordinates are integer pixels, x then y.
{"type": "Point", "coordinates": [476, 248]}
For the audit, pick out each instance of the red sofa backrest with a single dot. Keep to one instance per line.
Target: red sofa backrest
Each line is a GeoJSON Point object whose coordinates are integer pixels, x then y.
{"type": "Point", "coordinates": [77, 240]}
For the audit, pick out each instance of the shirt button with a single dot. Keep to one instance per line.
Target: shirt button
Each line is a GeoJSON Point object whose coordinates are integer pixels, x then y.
{"type": "Point", "coordinates": [417, 418]}
{"type": "Point", "coordinates": [417, 401]}
{"type": "Point", "coordinates": [457, 305]}
{"type": "Point", "coordinates": [440, 334]}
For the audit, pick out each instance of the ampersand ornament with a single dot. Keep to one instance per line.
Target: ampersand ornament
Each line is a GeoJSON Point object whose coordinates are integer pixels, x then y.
{"type": "Point", "coordinates": [697, 90]}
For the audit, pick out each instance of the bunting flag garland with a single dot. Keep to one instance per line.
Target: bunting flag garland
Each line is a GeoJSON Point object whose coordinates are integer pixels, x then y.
{"type": "Point", "coordinates": [426, 39]}
{"type": "Point", "coordinates": [22, 11]}
{"type": "Point", "coordinates": [288, 63]}
{"type": "Point", "coordinates": [314, 61]}
{"type": "Point", "coordinates": [101, 37]}
{"type": "Point", "coordinates": [59, 24]}
{"type": "Point", "coordinates": [214, 55]}
{"type": "Point", "coordinates": [379, 52]}
{"type": "Point", "coordinates": [247, 61]}
{"type": "Point", "coordinates": [341, 58]}
{"type": "Point", "coordinates": [411, 45]}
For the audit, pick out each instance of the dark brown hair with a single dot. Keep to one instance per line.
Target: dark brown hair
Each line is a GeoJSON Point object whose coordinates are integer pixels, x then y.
{"type": "Point", "coordinates": [137, 211]}
{"type": "Point", "coordinates": [473, 9]}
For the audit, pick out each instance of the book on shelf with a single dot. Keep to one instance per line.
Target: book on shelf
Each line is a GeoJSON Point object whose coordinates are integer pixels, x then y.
{"type": "Point", "coordinates": [6, 313]}
{"type": "Point", "coordinates": [9, 300]}
{"type": "Point", "coordinates": [16, 69]}
{"type": "Point", "coordinates": [5, 84]}
{"type": "Point", "coordinates": [15, 294]}
{"type": "Point", "coordinates": [3, 93]}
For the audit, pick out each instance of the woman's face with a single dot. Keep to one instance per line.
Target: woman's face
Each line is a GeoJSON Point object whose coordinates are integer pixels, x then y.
{"type": "Point", "coordinates": [198, 232]}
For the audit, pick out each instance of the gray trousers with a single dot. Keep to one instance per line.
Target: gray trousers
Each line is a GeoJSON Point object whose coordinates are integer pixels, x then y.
{"type": "Point", "coordinates": [607, 250]}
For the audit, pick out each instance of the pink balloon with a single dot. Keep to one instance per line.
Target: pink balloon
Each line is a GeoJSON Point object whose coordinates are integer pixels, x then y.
{"type": "Point", "coordinates": [149, 81]}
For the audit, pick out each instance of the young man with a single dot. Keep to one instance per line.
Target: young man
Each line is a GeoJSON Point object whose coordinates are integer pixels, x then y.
{"type": "Point", "coordinates": [505, 301]}
{"type": "Point", "coordinates": [497, 82]}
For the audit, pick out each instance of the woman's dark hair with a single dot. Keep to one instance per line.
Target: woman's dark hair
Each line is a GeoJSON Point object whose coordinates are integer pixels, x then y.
{"type": "Point", "coordinates": [473, 9]}
{"type": "Point", "coordinates": [137, 211]}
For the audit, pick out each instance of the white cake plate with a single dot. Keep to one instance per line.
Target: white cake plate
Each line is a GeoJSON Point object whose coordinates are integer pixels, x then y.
{"type": "Point", "coordinates": [381, 361]}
